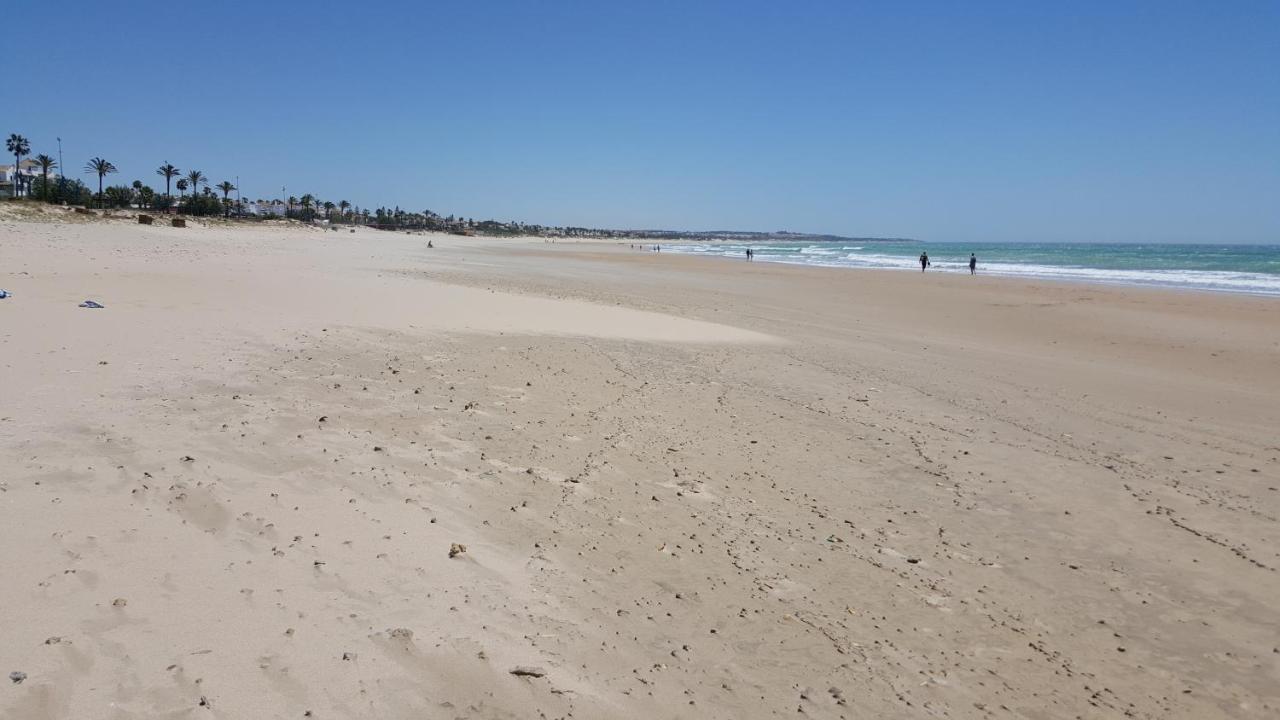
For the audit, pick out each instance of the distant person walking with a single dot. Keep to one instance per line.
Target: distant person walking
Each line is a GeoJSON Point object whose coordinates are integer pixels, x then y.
{"type": "Point", "coordinates": [924, 261]}
{"type": "Point", "coordinates": [973, 264]}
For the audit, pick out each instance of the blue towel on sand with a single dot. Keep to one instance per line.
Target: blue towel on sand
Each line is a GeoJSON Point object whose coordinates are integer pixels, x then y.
{"type": "Point", "coordinates": [4, 294]}
{"type": "Point", "coordinates": [90, 304]}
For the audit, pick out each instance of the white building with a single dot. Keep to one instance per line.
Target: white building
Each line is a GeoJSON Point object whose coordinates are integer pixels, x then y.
{"type": "Point", "coordinates": [265, 207]}
{"type": "Point", "coordinates": [29, 171]}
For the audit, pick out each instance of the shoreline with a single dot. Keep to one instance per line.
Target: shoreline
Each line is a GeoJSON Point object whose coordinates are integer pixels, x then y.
{"type": "Point", "coordinates": [961, 269]}
{"type": "Point", "coordinates": [1025, 282]}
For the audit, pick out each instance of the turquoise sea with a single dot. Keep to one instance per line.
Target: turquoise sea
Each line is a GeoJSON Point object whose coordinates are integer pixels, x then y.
{"type": "Point", "coordinates": [1253, 269]}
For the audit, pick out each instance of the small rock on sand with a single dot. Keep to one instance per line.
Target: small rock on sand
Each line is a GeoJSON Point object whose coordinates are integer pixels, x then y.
{"type": "Point", "coordinates": [17, 676]}
{"type": "Point", "coordinates": [119, 602]}
{"type": "Point", "coordinates": [455, 550]}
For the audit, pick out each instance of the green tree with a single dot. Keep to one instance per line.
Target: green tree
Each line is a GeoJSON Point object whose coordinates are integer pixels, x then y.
{"type": "Point", "coordinates": [343, 207]}
{"type": "Point", "coordinates": [328, 210]}
{"type": "Point", "coordinates": [307, 201]}
{"type": "Point", "coordinates": [19, 146]}
{"type": "Point", "coordinates": [226, 189]}
{"type": "Point", "coordinates": [46, 164]}
{"type": "Point", "coordinates": [101, 168]}
{"type": "Point", "coordinates": [194, 178]}
{"type": "Point", "coordinates": [118, 196]}
{"type": "Point", "coordinates": [182, 187]}
{"type": "Point", "coordinates": [168, 172]}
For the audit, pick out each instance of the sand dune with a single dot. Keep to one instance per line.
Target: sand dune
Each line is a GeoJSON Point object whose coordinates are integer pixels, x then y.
{"type": "Point", "coordinates": [687, 488]}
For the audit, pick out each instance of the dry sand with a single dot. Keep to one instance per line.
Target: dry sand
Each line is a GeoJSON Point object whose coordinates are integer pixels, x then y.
{"type": "Point", "coordinates": [686, 487]}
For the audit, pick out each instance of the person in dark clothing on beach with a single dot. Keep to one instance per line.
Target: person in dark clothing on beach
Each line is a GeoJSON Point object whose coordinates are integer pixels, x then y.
{"type": "Point", "coordinates": [973, 264]}
{"type": "Point", "coordinates": [924, 261]}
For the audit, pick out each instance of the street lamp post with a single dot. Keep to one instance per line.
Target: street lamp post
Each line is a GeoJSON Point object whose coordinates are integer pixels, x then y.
{"type": "Point", "coordinates": [62, 175]}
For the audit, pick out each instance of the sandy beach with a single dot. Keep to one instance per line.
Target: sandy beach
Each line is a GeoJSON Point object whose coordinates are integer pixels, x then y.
{"type": "Point", "coordinates": [289, 473]}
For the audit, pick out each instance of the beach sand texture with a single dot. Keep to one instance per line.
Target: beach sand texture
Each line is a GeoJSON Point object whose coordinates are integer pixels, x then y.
{"type": "Point", "coordinates": [290, 473]}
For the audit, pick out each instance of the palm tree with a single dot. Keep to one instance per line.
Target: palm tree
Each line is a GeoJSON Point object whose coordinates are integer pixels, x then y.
{"type": "Point", "coordinates": [307, 200]}
{"type": "Point", "coordinates": [292, 201]}
{"type": "Point", "coordinates": [343, 207]}
{"type": "Point", "coordinates": [137, 189]}
{"type": "Point", "coordinates": [46, 164]}
{"type": "Point", "coordinates": [168, 172]}
{"type": "Point", "coordinates": [328, 210]}
{"type": "Point", "coordinates": [19, 146]}
{"type": "Point", "coordinates": [182, 188]}
{"type": "Point", "coordinates": [102, 168]}
{"type": "Point", "coordinates": [226, 189]}
{"type": "Point", "coordinates": [194, 178]}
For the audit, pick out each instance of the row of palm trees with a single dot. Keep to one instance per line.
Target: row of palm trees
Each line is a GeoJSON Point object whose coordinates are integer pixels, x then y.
{"type": "Point", "coordinates": [309, 204]}
{"type": "Point", "coordinates": [193, 180]}
{"type": "Point", "coordinates": [19, 146]}
{"type": "Point", "coordinates": [173, 176]}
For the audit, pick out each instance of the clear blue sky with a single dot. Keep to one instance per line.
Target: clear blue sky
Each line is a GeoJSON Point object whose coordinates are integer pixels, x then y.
{"type": "Point", "coordinates": [1078, 121]}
